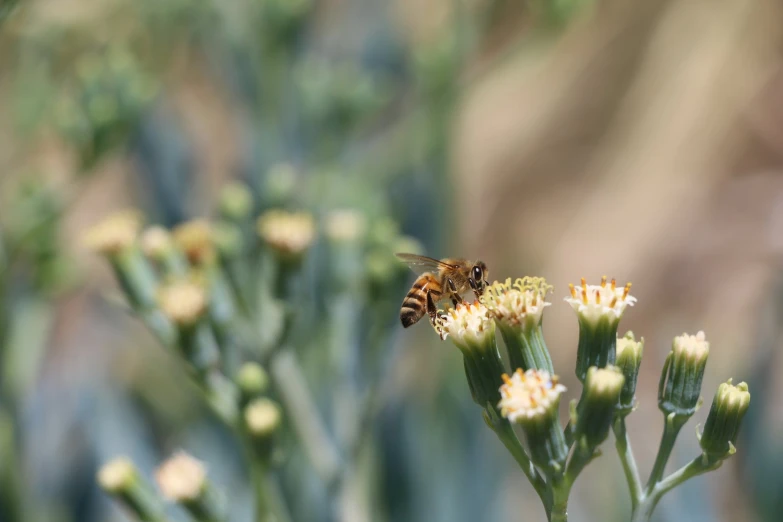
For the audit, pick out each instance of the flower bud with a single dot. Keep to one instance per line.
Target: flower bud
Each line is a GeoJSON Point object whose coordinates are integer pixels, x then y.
{"type": "Point", "coordinates": [120, 479]}
{"type": "Point", "coordinates": [183, 479]}
{"type": "Point", "coordinates": [252, 380]}
{"type": "Point", "coordinates": [345, 226]}
{"type": "Point", "coordinates": [629, 357]}
{"type": "Point", "coordinates": [518, 310]}
{"type": "Point", "coordinates": [158, 245]}
{"type": "Point", "coordinates": [596, 407]}
{"type": "Point", "coordinates": [183, 302]}
{"type": "Point", "coordinates": [531, 399]}
{"type": "Point", "coordinates": [115, 234]}
{"type": "Point", "coordinates": [116, 238]}
{"type": "Point", "coordinates": [194, 238]}
{"type": "Point", "coordinates": [679, 389]}
{"type": "Point", "coordinates": [288, 234]}
{"type": "Point", "coordinates": [262, 420]}
{"type": "Point", "coordinates": [473, 332]}
{"type": "Point", "coordinates": [599, 309]}
{"type": "Point", "coordinates": [262, 417]}
{"type": "Point", "coordinates": [723, 422]}
{"type": "Point", "coordinates": [236, 201]}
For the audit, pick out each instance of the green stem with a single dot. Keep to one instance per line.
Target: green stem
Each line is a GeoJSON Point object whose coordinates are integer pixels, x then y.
{"type": "Point", "coordinates": [299, 406]}
{"type": "Point", "coordinates": [505, 433]}
{"type": "Point", "coordinates": [561, 486]}
{"type": "Point", "coordinates": [628, 461]}
{"type": "Point", "coordinates": [559, 511]}
{"type": "Point", "coordinates": [698, 466]}
{"type": "Point", "coordinates": [270, 505]}
{"type": "Point", "coordinates": [671, 429]}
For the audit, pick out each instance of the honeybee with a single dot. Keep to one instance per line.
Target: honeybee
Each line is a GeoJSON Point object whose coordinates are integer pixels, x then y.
{"type": "Point", "coordinates": [448, 277]}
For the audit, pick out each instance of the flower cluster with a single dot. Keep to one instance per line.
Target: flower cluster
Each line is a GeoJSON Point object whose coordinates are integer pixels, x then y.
{"type": "Point", "coordinates": [607, 366]}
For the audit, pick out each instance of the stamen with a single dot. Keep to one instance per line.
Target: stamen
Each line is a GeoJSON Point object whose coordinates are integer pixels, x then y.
{"type": "Point", "coordinates": [627, 289]}
{"type": "Point", "coordinates": [614, 302]}
{"type": "Point", "coordinates": [573, 290]}
{"type": "Point", "coordinates": [584, 292]}
{"type": "Point", "coordinates": [584, 282]}
{"type": "Point", "coordinates": [506, 378]}
{"type": "Point", "coordinates": [603, 281]}
{"type": "Point", "coordinates": [597, 297]}
{"type": "Point", "coordinates": [614, 284]}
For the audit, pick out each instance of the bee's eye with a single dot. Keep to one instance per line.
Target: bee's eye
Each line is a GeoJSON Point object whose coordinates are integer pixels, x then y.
{"type": "Point", "coordinates": [477, 275]}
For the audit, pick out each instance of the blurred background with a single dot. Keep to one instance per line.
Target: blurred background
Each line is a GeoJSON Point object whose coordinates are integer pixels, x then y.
{"type": "Point", "coordinates": [560, 138]}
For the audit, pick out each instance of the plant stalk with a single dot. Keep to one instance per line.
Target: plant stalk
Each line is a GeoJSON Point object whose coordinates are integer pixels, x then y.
{"type": "Point", "coordinates": [624, 451]}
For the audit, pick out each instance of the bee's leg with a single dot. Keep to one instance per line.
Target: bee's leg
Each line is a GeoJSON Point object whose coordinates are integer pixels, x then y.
{"type": "Point", "coordinates": [475, 287]}
{"type": "Point", "coordinates": [436, 316]}
{"type": "Point", "coordinates": [455, 297]}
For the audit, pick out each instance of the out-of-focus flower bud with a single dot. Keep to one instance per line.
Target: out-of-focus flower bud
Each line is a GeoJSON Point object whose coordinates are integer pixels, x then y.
{"type": "Point", "coordinates": [724, 420]}
{"type": "Point", "coordinates": [252, 380]}
{"type": "Point", "coordinates": [287, 234]}
{"type": "Point", "coordinates": [531, 399]}
{"type": "Point", "coordinates": [518, 310]}
{"type": "Point", "coordinates": [158, 246]}
{"type": "Point", "coordinates": [679, 391]}
{"type": "Point", "coordinates": [262, 421]}
{"type": "Point", "coordinates": [262, 417]}
{"type": "Point", "coordinates": [629, 357]}
{"type": "Point", "coordinates": [596, 408]}
{"type": "Point", "coordinates": [120, 479]}
{"type": "Point", "coordinates": [183, 479]}
{"type": "Point", "coordinates": [194, 238]}
{"type": "Point", "coordinates": [115, 234]}
{"type": "Point", "coordinates": [183, 302]}
{"type": "Point", "coordinates": [345, 226]}
{"type": "Point", "coordinates": [116, 238]}
{"type": "Point", "coordinates": [236, 201]}
{"type": "Point", "coordinates": [599, 309]}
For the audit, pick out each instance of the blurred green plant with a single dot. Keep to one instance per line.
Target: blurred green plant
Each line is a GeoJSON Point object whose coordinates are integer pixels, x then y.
{"type": "Point", "coordinates": [552, 457]}
{"type": "Point", "coordinates": [223, 296]}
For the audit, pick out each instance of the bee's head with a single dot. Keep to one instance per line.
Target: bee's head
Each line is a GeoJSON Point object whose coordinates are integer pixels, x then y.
{"type": "Point", "coordinates": [478, 275]}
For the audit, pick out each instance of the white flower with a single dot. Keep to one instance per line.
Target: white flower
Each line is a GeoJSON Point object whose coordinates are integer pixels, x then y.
{"type": "Point", "coordinates": [593, 302]}
{"type": "Point", "coordinates": [530, 394]}
{"type": "Point", "coordinates": [181, 478]}
{"type": "Point", "coordinates": [287, 232]}
{"type": "Point", "coordinates": [468, 324]}
{"type": "Point", "coordinates": [522, 302]}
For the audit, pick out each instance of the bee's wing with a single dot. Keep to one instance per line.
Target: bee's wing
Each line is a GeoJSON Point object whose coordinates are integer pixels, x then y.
{"type": "Point", "coordinates": [422, 264]}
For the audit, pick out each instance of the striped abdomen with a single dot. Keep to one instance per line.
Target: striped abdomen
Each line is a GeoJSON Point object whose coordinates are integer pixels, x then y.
{"type": "Point", "coordinates": [414, 306]}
